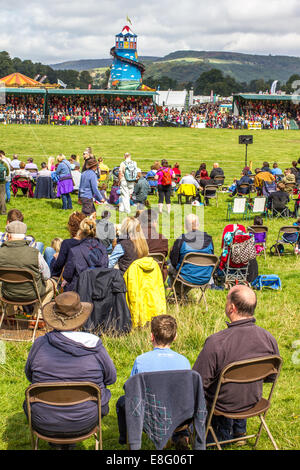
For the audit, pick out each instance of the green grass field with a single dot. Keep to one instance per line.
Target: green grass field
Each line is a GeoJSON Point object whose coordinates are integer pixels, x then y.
{"type": "Point", "coordinates": [277, 312]}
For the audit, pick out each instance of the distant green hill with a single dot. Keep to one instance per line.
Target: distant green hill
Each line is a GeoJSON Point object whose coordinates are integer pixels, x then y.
{"type": "Point", "coordinates": [90, 64]}
{"type": "Point", "coordinates": [186, 66]}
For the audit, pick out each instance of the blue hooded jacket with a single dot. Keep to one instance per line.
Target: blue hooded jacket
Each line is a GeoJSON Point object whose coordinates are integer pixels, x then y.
{"type": "Point", "coordinates": [56, 357]}
{"type": "Point", "coordinates": [194, 241]}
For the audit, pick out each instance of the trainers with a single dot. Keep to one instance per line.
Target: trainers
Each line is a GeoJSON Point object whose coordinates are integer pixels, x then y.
{"type": "Point", "coordinates": [242, 442]}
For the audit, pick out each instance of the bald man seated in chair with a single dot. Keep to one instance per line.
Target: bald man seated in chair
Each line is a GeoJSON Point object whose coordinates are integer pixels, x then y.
{"type": "Point", "coordinates": [241, 340]}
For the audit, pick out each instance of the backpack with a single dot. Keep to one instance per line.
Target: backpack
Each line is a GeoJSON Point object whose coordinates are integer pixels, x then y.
{"type": "Point", "coordinates": [130, 171]}
{"type": "Point", "coordinates": [166, 177]}
{"type": "Point", "coordinates": [3, 172]}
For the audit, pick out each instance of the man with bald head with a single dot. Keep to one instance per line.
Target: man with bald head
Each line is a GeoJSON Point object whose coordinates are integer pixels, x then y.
{"type": "Point", "coordinates": [193, 240]}
{"type": "Point", "coordinates": [243, 339]}
{"type": "Point", "coordinates": [216, 171]}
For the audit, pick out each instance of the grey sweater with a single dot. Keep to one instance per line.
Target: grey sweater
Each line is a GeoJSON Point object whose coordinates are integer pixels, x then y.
{"type": "Point", "coordinates": [159, 402]}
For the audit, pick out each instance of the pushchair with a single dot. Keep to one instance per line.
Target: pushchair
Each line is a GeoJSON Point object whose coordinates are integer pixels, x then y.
{"type": "Point", "coordinates": [238, 251]}
{"type": "Point", "coordinates": [268, 188]}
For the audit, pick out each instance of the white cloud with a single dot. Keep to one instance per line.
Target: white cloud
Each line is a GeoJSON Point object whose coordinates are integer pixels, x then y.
{"type": "Point", "coordinates": [55, 30]}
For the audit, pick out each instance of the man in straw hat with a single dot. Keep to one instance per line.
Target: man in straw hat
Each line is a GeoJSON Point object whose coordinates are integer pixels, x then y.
{"type": "Point", "coordinates": [88, 188]}
{"type": "Point", "coordinates": [68, 354]}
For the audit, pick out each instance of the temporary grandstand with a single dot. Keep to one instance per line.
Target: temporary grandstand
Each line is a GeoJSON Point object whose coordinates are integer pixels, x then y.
{"type": "Point", "coordinates": [20, 85]}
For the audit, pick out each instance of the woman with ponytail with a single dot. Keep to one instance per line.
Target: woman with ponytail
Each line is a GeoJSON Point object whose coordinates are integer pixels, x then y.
{"type": "Point", "coordinates": [89, 253]}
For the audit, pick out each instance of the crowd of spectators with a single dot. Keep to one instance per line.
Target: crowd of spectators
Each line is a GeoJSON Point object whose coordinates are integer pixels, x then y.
{"type": "Point", "coordinates": [101, 110]}
{"type": "Point", "coordinates": [22, 110]}
{"type": "Point", "coordinates": [103, 270]}
{"type": "Point", "coordinates": [141, 111]}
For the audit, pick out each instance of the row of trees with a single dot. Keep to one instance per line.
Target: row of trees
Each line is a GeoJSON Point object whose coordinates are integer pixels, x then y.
{"type": "Point", "coordinates": [223, 85]}
{"type": "Point", "coordinates": [72, 78]}
{"type": "Point", "coordinates": [212, 79]}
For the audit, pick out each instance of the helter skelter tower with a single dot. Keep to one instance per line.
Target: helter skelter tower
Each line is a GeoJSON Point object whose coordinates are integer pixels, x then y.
{"type": "Point", "coordinates": [126, 71]}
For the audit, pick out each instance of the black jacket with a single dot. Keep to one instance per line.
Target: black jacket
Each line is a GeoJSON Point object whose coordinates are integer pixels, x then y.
{"type": "Point", "coordinates": [279, 199]}
{"type": "Point", "coordinates": [106, 289]}
{"type": "Point", "coordinates": [44, 188]}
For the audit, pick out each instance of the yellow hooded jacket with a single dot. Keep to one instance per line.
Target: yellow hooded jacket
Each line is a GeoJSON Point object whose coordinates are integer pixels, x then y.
{"type": "Point", "coordinates": [145, 291]}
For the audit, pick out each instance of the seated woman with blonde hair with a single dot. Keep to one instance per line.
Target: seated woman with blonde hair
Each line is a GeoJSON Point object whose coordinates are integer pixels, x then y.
{"type": "Point", "coordinates": [132, 245]}
{"type": "Point", "coordinates": [89, 253]}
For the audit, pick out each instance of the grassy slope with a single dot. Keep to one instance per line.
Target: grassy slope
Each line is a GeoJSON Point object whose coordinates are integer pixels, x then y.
{"type": "Point", "coordinates": [277, 312]}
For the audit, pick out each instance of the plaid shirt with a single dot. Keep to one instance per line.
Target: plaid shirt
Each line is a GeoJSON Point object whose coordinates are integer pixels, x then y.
{"type": "Point", "coordinates": [3, 238]}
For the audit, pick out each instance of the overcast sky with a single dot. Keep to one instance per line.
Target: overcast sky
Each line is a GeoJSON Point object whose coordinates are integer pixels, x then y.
{"type": "Point", "coordinates": [52, 31]}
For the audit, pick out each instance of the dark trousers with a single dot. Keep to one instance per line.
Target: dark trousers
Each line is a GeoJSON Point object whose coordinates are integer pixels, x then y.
{"type": "Point", "coordinates": [66, 201]}
{"type": "Point", "coordinates": [60, 433]}
{"type": "Point", "coordinates": [88, 207]}
{"type": "Point", "coordinates": [120, 407]}
{"type": "Point", "coordinates": [2, 199]}
{"type": "Point", "coordinates": [164, 193]}
{"type": "Point", "coordinates": [226, 428]}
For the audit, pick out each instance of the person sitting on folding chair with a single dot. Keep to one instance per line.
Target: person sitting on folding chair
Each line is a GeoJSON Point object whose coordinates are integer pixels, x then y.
{"type": "Point", "coordinates": [192, 241]}
{"type": "Point", "coordinates": [161, 358]}
{"type": "Point", "coordinates": [17, 254]}
{"type": "Point", "coordinates": [260, 177]}
{"type": "Point", "coordinates": [243, 339]}
{"type": "Point", "coordinates": [278, 200]}
{"type": "Point", "coordinates": [245, 179]}
{"type": "Point", "coordinates": [69, 355]}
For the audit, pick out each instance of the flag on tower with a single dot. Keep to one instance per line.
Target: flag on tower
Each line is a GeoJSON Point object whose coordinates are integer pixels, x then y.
{"type": "Point", "coordinates": [128, 20]}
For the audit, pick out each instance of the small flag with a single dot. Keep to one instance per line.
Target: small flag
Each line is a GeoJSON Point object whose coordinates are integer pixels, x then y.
{"type": "Point", "coordinates": [43, 79]}
{"type": "Point", "coordinates": [90, 87]}
{"type": "Point", "coordinates": [37, 77]}
{"type": "Point", "coordinates": [128, 20]}
{"type": "Point", "coordinates": [61, 83]}
{"type": "Point", "coordinates": [273, 87]}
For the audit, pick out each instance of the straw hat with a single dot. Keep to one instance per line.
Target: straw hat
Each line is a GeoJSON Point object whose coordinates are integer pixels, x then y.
{"type": "Point", "coordinates": [66, 312]}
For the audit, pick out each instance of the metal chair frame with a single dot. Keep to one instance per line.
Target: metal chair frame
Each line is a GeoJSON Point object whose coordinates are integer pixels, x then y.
{"type": "Point", "coordinates": [210, 187]}
{"type": "Point", "coordinates": [19, 276]}
{"type": "Point", "coordinates": [260, 229]}
{"type": "Point", "coordinates": [231, 208]}
{"type": "Point", "coordinates": [63, 394]}
{"type": "Point", "coordinates": [195, 259]}
{"type": "Point", "coordinates": [243, 372]}
{"type": "Point", "coordinates": [286, 229]}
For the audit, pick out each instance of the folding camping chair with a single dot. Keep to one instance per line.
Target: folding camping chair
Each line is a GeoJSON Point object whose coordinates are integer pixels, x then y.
{"type": "Point", "coordinates": [244, 190]}
{"type": "Point", "coordinates": [63, 394]}
{"type": "Point", "coordinates": [219, 180]}
{"type": "Point", "coordinates": [290, 237]}
{"type": "Point", "coordinates": [260, 233]}
{"type": "Point", "coordinates": [246, 372]}
{"type": "Point", "coordinates": [159, 258]}
{"type": "Point", "coordinates": [210, 192]}
{"type": "Point", "coordinates": [259, 207]}
{"type": "Point", "coordinates": [268, 188]}
{"type": "Point", "coordinates": [186, 190]}
{"type": "Point", "coordinates": [18, 276]}
{"type": "Point", "coordinates": [237, 207]}
{"type": "Point", "coordinates": [203, 260]}
{"type": "Point", "coordinates": [279, 213]}
{"type": "Point", "coordinates": [23, 183]}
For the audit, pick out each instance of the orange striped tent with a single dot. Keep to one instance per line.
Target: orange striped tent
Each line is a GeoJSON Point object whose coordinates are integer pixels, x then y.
{"type": "Point", "coordinates": [19, 80]}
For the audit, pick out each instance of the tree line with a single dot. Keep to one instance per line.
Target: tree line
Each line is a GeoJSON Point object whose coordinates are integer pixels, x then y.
{"type": "Point", "coordinates": [72, 78]}
{"type": "Point", "coordinates": [223, 85]}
